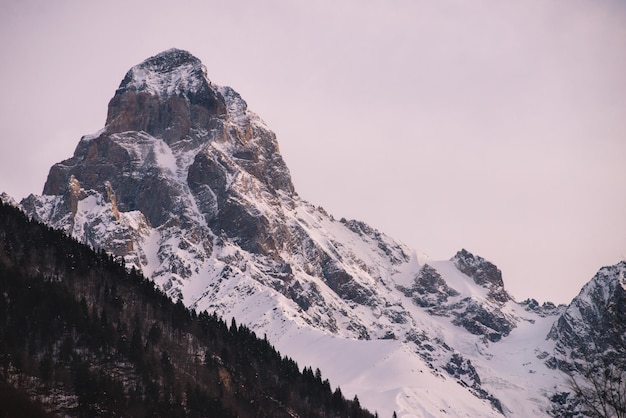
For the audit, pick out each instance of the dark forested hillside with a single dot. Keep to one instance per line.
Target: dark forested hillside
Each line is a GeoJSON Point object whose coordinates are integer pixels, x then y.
{"type": "Point", "coordinates": [82, 336]}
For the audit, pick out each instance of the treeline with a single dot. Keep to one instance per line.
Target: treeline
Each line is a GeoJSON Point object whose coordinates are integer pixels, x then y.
{"type": "Point", "coordinates": [82, 336]}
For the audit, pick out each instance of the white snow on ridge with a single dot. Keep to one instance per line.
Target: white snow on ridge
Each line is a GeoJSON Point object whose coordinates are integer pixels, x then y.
{"type": "Point", "coordinates": [385, 374]}
{"type": "Point", "coordinates": [459, 281]}
{"type": "Point", "coordinates": [145, 149]}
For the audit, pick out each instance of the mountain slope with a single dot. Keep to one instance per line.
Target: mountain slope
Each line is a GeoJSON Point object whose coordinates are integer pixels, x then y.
{"type": "Point", "coordinates": [81, 336]}
{"type": "Point", "coordinates": [188, 185]}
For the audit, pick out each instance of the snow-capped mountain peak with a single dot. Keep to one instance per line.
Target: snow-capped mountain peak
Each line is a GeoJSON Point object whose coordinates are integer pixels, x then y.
{"type": "Point", "coordinates": [172, 72]}
{"type": "Point", "coordinates": [185, 183]}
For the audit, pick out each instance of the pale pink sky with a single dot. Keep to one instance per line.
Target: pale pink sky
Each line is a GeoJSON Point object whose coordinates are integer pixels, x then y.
{"type": "Point", "coordinates": [495, 126]}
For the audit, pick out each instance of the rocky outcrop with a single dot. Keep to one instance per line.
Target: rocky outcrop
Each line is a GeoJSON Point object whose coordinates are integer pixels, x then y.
{"type": "Point", "coordinates": [483, 272]}
{"type": "Point", "coordinates": [463, 370]}
{"type": "Point", "coordinates": [594, 324]}
{"type": "Point", "coordinates": [483, 319]}
{"type": "Point", "coordinates": [429, 290]}
{"type": "Point", "coordinates": [590, 347]}
{"type": "Point", "coordinates": [167, 96]}
{"type": "Point", "coordinates": [544, 310]}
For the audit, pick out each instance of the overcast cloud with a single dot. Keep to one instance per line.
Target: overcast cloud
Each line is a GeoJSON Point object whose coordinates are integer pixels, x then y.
{"type": "Point", "coordinates": [495, 126]}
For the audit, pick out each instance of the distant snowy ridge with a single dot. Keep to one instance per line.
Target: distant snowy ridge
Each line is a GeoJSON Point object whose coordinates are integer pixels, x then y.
{"type": "Point", "coordinates": [188, 185]}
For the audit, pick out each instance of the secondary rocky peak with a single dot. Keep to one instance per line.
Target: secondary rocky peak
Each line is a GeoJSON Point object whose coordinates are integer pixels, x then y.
{"type": "Point", "coordinates": [594, 324]}
{"type": "Point", "coordinates": [483, 272]}
{"type": "Point", "coordinates": [429, 290]}
{"type": "Point", "coordinates": [167, 96]}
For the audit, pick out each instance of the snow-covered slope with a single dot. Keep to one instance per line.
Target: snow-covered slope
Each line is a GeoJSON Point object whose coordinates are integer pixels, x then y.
{"type": "Point", "coordinates": [188, 185]}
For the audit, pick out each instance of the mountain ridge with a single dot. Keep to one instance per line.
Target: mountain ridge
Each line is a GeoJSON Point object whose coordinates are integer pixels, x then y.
{"type": "Point", "coordinates": [83, 336]}
{"type": "Point", "coordinates": [188, 185]}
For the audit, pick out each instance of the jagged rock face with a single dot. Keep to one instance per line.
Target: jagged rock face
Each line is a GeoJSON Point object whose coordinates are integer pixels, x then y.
{"type": "Point", "coordinates": [483, 272]}
{"type": "Point", "coordinates": [463, 370]}
{"type": "Point", "coordinates": [478, 317]}
{"type": "Point", "coordinates": [167, 96]}
{"type": "Point", "coordinates": [546, 309]}
{"type": "Point", "coordinates": [166, 108]}
{"type": "Point", "coordinates": [594, 324]}
{"type": "Point", "coordinates": [429, 290]}
{"type": "Point", "coordinates": [483, 319]}
{"type": "Point", "coordinates": [174, 142]}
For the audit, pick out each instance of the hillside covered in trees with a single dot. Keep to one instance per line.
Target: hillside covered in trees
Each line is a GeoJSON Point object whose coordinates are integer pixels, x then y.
{"type": "Point", "coordinates": [82, 336]}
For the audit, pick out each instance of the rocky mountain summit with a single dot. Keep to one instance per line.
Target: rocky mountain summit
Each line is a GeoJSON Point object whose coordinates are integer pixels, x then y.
{"type": "Point", "coordinates": [593, 326]}
{"type": "Point", "coordinates": [186, 184]}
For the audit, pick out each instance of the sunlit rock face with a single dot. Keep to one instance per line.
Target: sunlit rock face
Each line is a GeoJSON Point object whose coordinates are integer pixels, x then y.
{"type": "Point", "coordinates": [167, 96]}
